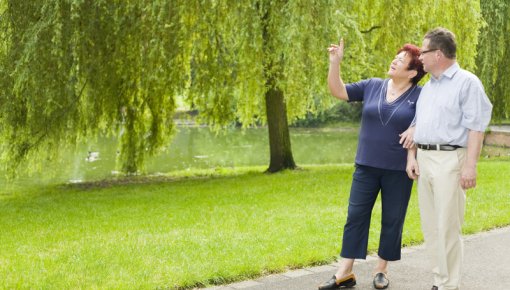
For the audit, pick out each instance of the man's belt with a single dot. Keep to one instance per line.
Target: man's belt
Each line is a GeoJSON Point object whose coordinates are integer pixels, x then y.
{"type": "Point", "coordinates": [438, 147]}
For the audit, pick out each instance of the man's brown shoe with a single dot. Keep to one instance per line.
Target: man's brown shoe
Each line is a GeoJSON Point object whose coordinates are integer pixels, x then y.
{"type": "Point", "coordinates": [334, 283]}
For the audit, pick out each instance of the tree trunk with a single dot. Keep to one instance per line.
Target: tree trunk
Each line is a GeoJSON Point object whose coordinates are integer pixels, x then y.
{"type": "Point", "coordinates": [276, 109]}
{"type": "Point", "coordinates": [278, 127]}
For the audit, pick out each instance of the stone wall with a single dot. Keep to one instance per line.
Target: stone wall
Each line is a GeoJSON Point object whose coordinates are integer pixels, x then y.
{"type": "Point", "coordinates": [497, 138]}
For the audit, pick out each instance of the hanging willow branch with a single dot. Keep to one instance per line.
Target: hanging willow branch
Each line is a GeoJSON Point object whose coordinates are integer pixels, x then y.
{"type": "Point", "coordinates": [493, 59]}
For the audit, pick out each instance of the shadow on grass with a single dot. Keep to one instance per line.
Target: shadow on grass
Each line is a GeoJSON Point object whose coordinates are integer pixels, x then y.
{"type": "Point", "coordinates": [202, 174]}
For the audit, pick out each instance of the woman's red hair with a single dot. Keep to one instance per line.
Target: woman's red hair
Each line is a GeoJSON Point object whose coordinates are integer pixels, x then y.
{"type": "Point", "coordinates": [415, 64]}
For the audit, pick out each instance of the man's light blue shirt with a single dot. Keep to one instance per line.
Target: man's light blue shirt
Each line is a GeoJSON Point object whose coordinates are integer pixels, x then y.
{"type": "Point", "coordinates": [450, 106]}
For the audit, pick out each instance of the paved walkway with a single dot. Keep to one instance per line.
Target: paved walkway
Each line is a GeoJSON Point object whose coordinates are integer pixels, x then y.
{"type": "Point", "coordinates": [486, 266]}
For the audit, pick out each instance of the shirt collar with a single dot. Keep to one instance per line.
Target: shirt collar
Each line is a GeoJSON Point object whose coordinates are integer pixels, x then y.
{"type": "Point", "coordinates": [450, 72]}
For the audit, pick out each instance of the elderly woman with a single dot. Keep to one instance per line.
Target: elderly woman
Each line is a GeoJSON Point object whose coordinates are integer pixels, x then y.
{"type": "Point", "coordinates": [388, 110]}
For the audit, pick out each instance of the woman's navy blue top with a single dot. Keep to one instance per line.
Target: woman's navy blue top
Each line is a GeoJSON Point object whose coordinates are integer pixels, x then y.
{"type": "Point", "coordinates": [382, 122]}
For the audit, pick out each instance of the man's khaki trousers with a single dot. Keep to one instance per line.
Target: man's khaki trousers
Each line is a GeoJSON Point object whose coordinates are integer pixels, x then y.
{"type": "Point", "coordinates": [442, 203]}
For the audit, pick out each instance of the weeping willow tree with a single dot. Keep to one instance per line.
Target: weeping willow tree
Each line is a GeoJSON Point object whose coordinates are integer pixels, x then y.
{"type": "Point", "coordinates": [73, 69]}
{"type": "Point", "coordinates": [262, 62]}
{"type": "Point", "coordinates": [493, 60]}
{"type": "Point", "coordinates": [76, 69]}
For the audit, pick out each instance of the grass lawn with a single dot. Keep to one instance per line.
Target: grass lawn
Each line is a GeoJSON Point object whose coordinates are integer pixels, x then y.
{"type": "Point", "coordinates": [186, 232]}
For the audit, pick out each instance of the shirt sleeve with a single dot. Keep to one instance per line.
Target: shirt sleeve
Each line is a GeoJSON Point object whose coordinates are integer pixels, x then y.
{"type": "Point", "coordinates": [356, 91]}
{"type": "Point", "coordinates": [476, 106]}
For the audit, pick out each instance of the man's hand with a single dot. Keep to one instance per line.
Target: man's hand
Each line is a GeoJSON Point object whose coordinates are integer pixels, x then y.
{"type": "Point", "coordinates": [468, 177]}
{"type": "Point", "coordinates": [468, 171]}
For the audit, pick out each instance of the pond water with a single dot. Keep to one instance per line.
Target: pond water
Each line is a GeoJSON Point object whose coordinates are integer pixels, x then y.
{"type": "Point", "coordinates": [198, 147]}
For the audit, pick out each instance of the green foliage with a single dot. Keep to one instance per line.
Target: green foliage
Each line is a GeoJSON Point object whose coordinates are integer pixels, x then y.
{"type": "Point", "coordinates": [239, 48]}
{"type": "Point", "coordinates": [75, 69]}
{"type": "Point", "coordinates": [493, 59]}
{"type": "Point", "coordinates": [388, 24]}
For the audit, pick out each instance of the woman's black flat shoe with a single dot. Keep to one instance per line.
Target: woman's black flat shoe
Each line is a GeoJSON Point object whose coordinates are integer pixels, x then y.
{"type": "Point", "coordinates": [334, 283]}
{"type": "Point", "coordinates": [381, 281]}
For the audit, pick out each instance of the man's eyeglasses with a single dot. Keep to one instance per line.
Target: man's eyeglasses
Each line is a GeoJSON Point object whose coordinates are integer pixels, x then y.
{"type": "Point", "coordinates": [426, 51]}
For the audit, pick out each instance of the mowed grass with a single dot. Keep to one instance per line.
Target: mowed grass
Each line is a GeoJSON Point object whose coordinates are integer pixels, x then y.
{"type": "Point", "coordinates": [187, 232]}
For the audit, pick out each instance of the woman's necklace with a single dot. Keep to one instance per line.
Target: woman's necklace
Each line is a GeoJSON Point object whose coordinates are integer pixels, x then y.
{"type": "Point", "coordinates": [382, 96]}
{"type": "Point", "coordinates": [395, 93]}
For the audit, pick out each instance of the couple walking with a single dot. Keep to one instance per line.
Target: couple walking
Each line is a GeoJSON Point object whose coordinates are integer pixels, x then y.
{"type": "Point", "coordinates": [433, 135]}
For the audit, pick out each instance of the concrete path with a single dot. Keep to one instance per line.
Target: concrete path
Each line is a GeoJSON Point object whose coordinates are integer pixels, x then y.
{"type": "Point", "coordinates": [486, 266]}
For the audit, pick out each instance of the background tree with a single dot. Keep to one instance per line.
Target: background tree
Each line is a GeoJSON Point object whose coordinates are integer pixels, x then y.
{"type": "Point", "coordinates": [74, 69]}
{"type": "Point", "coordinates": [262, 62]}
{"type": "Point", "coordinates": [493, 59]}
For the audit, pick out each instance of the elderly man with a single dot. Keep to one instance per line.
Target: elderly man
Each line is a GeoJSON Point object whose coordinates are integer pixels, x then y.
{"type": "Point", "coordinates": [452, 114]}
